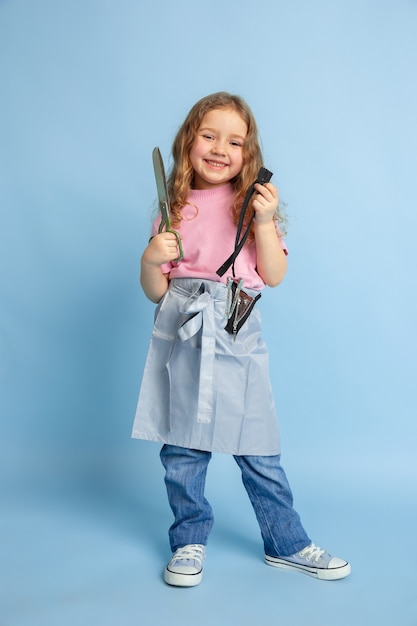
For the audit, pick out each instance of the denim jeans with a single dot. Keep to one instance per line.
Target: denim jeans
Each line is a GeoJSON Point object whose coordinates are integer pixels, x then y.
{"type": "Point", "coordinates": [265, 482]}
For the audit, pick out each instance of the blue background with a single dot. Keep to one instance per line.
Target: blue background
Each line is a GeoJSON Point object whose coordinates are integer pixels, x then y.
{"type": "Point", "coordinates": [87, 89]}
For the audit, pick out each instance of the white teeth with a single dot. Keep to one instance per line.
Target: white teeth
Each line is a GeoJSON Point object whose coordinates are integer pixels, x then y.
{"type": "Point", "coordinates": [216, 164]}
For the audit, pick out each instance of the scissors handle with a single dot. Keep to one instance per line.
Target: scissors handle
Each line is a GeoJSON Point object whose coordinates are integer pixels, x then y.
{"type": "Point", "coordinates": [165, 226]}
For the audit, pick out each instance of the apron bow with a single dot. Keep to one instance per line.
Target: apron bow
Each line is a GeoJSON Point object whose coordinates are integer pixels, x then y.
{"type": "Point", "coordinates": [200, 308]}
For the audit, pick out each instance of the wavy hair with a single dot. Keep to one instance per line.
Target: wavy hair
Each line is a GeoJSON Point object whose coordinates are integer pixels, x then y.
{"type": "Point", "coordinates": [180, 179]}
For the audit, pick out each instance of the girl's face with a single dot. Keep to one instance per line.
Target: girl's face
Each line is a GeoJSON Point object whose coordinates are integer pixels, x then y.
{"type": "Point", "coordinates": [217, 152]}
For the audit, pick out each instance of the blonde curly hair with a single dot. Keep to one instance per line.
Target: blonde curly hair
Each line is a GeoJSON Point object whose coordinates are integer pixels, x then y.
{"type": "Point", "coordinates": [180, 179]}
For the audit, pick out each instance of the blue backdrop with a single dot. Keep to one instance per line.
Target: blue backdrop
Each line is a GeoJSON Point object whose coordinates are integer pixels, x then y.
{"type": "Point", "coordinates": [87, 89]}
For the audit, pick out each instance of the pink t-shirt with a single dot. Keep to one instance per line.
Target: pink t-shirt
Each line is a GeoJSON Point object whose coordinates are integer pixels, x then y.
{"type": "Point", "coordinates": [208, 239]}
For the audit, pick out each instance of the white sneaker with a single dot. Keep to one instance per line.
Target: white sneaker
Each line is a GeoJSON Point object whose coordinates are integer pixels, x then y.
{"type": "Point", "coordinates": [185, 568]}
{"type": "Point", "coordinates": [312, 561]}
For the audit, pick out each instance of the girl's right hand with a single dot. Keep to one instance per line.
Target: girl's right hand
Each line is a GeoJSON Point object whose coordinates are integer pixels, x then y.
{"type": "Point", "coordinates": [161, 249]}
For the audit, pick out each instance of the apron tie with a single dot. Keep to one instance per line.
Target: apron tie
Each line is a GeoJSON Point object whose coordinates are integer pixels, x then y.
{"type": "Point", "coordinates": [201, 308]}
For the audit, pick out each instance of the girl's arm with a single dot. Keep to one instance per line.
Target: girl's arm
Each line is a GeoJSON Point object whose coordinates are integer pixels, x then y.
{"type": "Point", "coordinates": [161, 249]}
{"type": "Point", "coordinates": [271, 262]}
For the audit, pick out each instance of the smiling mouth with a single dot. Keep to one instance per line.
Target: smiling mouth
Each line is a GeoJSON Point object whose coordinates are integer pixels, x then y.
{"type": "Point", "coordinates": [217, 164]}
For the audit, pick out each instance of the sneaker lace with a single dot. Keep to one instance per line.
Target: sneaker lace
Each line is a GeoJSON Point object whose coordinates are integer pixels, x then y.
{"type": "Point", "coordinates": [189, 552]}
{"type": "Point", "coordinates": [312, 553]}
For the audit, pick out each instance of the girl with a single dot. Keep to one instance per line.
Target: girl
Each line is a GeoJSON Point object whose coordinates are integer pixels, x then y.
{"type": "Point", "coordinates": [205, 389]}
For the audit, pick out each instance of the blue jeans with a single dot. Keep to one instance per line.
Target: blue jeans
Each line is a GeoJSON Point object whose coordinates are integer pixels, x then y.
{"type": "Point", "coordinates": [265, 482]}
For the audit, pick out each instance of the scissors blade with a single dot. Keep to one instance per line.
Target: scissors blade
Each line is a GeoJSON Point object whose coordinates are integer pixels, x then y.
{"type": "Point", "coordinates": [161, 184]}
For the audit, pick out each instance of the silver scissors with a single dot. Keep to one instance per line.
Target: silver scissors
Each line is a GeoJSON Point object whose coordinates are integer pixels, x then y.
{"type": "Point", "coordinates": [161, 185]}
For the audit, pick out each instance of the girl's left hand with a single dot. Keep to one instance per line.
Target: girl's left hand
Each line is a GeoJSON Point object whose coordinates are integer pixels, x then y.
{"type": "Point", "coordinates": [265, 202]}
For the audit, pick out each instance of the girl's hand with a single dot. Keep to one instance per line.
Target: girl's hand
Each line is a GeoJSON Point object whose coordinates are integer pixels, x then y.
{"type": "Point", "coordinates": [265, 202]}
{"type": "Point", "coordinates": [161, 249]}
{"type": "Point", "coordinates": [271, 262]}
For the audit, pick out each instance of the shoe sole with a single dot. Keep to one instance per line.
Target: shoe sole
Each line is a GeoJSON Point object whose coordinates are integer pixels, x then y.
{"type": "Point", "coordinates": [335, 573]}
{"type": "Point", "coordinates": [182, 580]}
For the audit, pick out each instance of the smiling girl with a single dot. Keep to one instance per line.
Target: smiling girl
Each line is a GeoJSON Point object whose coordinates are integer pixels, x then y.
{"type": "Point", "coordinates": [205, 389]}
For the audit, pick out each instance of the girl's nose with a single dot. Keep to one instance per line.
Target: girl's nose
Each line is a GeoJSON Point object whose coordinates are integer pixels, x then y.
{"type": "Point", "coordinates": [219, 147]}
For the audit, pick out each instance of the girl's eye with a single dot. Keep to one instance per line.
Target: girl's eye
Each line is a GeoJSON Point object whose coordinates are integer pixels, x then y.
{"type": "Point", "coordinates": [209, 137]}
{"type": "Point", "coordinates": [236, 143]}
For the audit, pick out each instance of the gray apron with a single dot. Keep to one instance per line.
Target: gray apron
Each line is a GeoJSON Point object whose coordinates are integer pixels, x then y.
{"type": "Point", "coordinates": [202, 387]}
